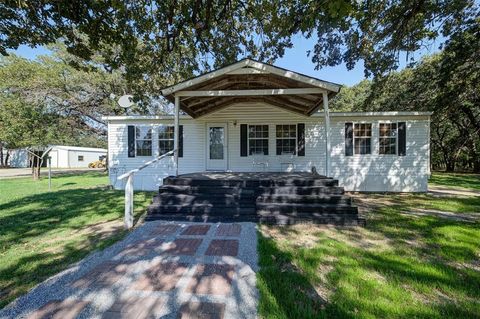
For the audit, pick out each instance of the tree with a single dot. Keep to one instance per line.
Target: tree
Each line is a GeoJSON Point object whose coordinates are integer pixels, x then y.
{"type": "Point", "coordinates": [48, 101]}
{"type": "Point", "coordinates": [444, 83]}
{"type": "Point", "coordinates": [157, 43]}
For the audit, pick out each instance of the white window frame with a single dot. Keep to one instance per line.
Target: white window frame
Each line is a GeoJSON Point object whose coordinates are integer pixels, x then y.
{"type": "Point", "coordinates": [295, 151]}
{"type": "Point", "coordinates": [362, 137]}
{"type": "Point", "coordinates": [258, 138]}
{"type": "Point", "coordinates": [165, 139]}
{"type": "Point", "coordinates": [389, 137]}
{"type": "Point", "coordinates": [144, 139]}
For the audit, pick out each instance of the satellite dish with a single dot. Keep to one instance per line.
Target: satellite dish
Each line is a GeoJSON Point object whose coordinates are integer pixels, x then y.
{"type": "Point", "coordinates": [126, 101]}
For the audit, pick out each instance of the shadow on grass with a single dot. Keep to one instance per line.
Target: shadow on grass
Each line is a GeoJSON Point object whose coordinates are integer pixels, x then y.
{"type": "Point", "coordinates": [42, 234]}
{"type": "Point", "coordinates": [419, 272]}
{"type": "Point", "coordinates": [456, 180]}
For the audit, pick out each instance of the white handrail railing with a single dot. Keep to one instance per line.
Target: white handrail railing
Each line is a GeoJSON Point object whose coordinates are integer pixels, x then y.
{"type": "Point", "coordinates": [129, 187]}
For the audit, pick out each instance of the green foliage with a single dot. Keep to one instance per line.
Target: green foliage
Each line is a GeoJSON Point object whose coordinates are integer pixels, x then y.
{"type": "Point", "coordinates": [48, 101]}
{"type": "Point", "coordinates": [445, 84]}
{"type": "Point", "coordinates": [157, 43]}
{"type": "Point", "coordinates": [42, 232]}
{"type": "Point", "coordinates": [400, 265]}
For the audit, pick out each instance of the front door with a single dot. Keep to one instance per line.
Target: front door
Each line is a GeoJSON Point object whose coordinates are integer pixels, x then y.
{"type": "Point", "coordinates": [217, 147]}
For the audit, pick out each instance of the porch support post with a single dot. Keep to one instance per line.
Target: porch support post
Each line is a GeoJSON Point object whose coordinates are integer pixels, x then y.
{"type": "Point", "coordinates": [326, 113]}
{"type": "Point", "coordinates": [176, 132]}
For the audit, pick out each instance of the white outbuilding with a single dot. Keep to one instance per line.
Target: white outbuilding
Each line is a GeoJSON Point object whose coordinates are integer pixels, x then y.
{"type": "Point", "coordinates": [62, 156]}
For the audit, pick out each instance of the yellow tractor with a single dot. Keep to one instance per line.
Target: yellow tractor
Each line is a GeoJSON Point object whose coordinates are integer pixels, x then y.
{"type": "Point", "coordinates": [101, 163]}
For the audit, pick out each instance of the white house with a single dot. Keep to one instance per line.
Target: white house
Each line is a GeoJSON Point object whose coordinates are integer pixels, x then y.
{"type": "Point", "coordinates": [62, 156]}
{"type": "Point", "coordinates": [255, 117]}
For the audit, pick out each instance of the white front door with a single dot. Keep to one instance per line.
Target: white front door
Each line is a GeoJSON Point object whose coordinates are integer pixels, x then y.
{"type": "Point", "coordinates": [217, 147]}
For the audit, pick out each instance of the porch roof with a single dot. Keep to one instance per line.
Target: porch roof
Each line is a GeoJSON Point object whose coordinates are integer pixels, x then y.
{"type": "Point", "coordinates": [251, 81]}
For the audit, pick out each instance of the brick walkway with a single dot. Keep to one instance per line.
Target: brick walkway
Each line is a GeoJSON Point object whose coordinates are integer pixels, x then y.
{"type": "Point", "coordinates": [161, 270]}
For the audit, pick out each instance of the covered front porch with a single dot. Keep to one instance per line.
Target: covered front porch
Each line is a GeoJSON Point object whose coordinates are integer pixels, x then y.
{"type": "Point", "coordinates": [249, 82]}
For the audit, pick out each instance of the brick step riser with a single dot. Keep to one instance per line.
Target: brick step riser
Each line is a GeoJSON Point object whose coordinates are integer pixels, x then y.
{"type": "Point", "coordinates": [189, 209]}
{"type": "Point", "coordinates": [199, 190]}
{"type": "Point", "coordinates": [351, 220]}
{"type": "Point", "coordinates": [197, 201]}
{"type": "Point", "coordinates": [229, 210]}
{"type": "Point", "coordinates": [202, 197]}
{"type": "Point", "coordinates": [304, 199]}
{"type": "Point", "coordinates": [250, 184]}
{"type": "Point", "coordinates": [308, 209]}
{"type": "Point", "coordinates": [298, 190]}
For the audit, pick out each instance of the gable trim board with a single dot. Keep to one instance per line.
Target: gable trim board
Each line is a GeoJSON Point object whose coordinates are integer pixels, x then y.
{"type": "Point", "coordinates": [371, 172]}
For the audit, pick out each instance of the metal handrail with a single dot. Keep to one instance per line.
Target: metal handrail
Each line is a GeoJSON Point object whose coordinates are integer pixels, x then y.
{"type": "Point", "coordinates": [138, 169]}
{"type": "Point", "coordinates": [129, 187]}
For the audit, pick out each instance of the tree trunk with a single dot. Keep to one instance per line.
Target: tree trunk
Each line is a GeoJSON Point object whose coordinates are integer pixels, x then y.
{"type": "Point", "coordinates": [7, 157]}
{"type": "Point", "coordinates": [2, 164]}
{"type": "Point", "coordinates": [450, 166]}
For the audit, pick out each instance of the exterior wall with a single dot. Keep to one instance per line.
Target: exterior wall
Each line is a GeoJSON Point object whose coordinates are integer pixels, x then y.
{"type": "Point", "coordinates": [356, 173]}
{"type": "Point", "coordinates": [88, 157]}
{"type": "Point", "coordinates": [18, 158]}
{"type": "Point", "coordinates": [383, 173]}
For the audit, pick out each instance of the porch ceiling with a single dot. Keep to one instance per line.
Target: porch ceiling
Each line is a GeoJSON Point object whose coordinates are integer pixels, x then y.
{"type": "Point", "coordinates": [237, 84]}
{"type": "Point", "coordinates": [196, 106]}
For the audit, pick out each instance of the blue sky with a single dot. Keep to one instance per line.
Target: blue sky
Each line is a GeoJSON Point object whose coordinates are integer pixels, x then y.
{"type": "Point", "coordinates": [295, 59]}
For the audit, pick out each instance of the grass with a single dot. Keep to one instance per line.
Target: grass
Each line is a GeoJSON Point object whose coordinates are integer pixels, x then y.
{"type": "Point", "coordinates": [455, 180]}
{"type": "Point", "coordinates": [42, 232]}
{"type": "Point", "coordinates": [399, 266]}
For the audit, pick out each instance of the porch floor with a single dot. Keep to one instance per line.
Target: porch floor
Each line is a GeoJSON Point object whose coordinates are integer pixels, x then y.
{"type": "Point", "coordinates": [212, 175]}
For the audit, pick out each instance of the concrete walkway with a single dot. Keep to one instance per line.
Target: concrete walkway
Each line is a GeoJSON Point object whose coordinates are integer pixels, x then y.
{"type": "Point", "coordinates": [26, 172]}
{"type": "Point", "coordinates": [160, 270]}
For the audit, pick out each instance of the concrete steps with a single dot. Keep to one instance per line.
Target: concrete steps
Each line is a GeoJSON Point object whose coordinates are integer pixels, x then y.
{"type": "Point", "coordinates": [279, 200]}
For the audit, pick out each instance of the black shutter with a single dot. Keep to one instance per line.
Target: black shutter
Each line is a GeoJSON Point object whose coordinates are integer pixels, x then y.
{"type": "Point", "coordinates": [180, 141]}
{"type": "Point", "coordinates": [243, 140]}
{"type": "Point", "coordinates": [402, 139]}
{"type": "Point", "coordinates": [131, 141]}
{"type": "Point", "coordinates": [301, 139]}
{"type": "Point", "coordinates": [348, 139]}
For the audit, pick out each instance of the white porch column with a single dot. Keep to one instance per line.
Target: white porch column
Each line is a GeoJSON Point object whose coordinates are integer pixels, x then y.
{"type": "Point", "coordinates": [327, 134]}
{"type": "Point", "coordinates": [176, 132]}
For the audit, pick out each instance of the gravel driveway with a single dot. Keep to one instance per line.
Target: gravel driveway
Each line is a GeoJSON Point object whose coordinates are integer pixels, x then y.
{"type": "Point", "coordinates": [160, 270]}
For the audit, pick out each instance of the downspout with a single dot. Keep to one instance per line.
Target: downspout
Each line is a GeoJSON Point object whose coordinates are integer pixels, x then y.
{"type": "Point", "coordinates": [326, 114]}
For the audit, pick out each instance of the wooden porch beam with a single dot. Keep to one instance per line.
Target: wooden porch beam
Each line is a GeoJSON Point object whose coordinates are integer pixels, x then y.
{"type": "Point", "coordinates": [251, 92]}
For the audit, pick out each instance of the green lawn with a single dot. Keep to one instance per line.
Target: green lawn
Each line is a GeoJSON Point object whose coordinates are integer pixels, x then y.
{"type": "Point", "coordinates": [42, 232]}
{"type": "Point", "coordinates": [454, 180]}
{"type": "Point", "coordinates": [399, 266]}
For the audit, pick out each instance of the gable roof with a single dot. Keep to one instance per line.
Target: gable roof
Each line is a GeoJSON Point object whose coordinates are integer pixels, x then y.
{"type": "Point", "coordinates": [253, 67]}
{"type": "Point", "coordinates": [250, 81]}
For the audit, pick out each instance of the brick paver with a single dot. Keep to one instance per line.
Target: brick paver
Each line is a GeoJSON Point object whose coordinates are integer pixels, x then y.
{"type": "Point", "coordinates": [165, 230]}
{"type": "Point", "coordinates": [160, 270]}
{"type": "Point", "coordinates": [230, 230]}
{"type": "Point", "coordinates": [105, 274]}
{"type": "Point", "coordinates": [183, 246]}
{"type": "Point", "coordinates": [212, 279]}
{"type": "Point", "coordinates": [160, 277]}
{"type": "Point", "coordinates": [60, 309]}
{"type": "Point", "coordinates": [135, 308]}
{"type": "Point", "coordinates": [142, 247]}
{"type": "Point", "coordinates": [222, 247]}
{"type": "Point", "coordinates": [201, 310]}
{"type": "Point", "coordinates": [196, 230]}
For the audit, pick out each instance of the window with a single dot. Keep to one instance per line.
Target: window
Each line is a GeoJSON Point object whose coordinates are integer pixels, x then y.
{"type": "Point", "coordinates": [258, 139]}
{"type": "Point", "coordinates": [143, 141]}
{"type": "Point", "coordinates": [165, 139]}
{"type": "Point", "coordinates": [80, 158]}
{"type": "Point", "coordinates": [286, 139]}
{"type": "Point", "coordinates": [388, 138]}
{"type": "Point", "coordinates": [362, 138]}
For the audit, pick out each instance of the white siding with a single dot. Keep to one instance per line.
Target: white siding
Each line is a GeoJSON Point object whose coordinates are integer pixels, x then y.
{"type": "Point", "coordinates": [383, 173]}
{"type": "Point", "coordinates": [356, 173]}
